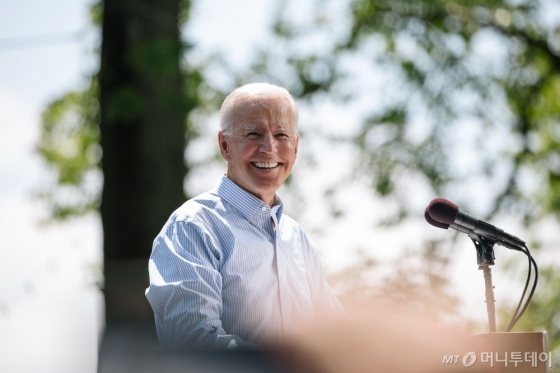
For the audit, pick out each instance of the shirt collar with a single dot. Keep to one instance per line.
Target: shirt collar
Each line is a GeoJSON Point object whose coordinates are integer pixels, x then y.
{"type": "Point", "coordinates": [247, 204]}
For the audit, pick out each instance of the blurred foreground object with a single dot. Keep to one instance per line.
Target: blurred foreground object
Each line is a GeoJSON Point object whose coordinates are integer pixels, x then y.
{"type": "Point", "coordinates": [371, 338]}
{"type": "Point", "coordinates": [130, 348]}
{"type": "Point", "coordinates": [382, 339]}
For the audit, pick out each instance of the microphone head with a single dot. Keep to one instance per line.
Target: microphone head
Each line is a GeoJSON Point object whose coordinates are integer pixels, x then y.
{"type": "Point", "coordinates": [443, 211]}
{"type": "Point", "coordinates": [433, 222]}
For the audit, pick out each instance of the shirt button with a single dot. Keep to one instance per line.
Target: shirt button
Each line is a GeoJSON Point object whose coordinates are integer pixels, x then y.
{"type": "Point", "coordinates": [264, 208]}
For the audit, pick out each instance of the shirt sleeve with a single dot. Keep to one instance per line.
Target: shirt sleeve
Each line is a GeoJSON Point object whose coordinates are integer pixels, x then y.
{"type": "Point", "coordinates": [185, 289]}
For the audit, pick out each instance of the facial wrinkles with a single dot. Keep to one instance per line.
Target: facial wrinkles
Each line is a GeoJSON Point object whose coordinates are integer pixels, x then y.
{"type": "Point", "coordinates": [254, 115]}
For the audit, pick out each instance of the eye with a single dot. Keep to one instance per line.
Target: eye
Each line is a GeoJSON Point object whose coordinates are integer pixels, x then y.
{"type": "Point", "coordinates": [253, 135]}
{"type": "Point", "coordinates": [281, 135]}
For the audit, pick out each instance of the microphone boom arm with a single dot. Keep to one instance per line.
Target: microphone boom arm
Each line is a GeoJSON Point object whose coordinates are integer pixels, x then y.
{"type": "Point", "coordinates": [485, 258]}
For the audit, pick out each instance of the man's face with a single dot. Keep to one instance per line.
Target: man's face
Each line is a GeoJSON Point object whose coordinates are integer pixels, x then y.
{"type": "Point", "coordinates": [263, 146]}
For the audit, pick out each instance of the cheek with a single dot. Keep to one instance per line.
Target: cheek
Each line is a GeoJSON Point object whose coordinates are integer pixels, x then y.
{"type": "Point", "coordinates": [289, 151]}
{"type": "Point", "coordinates": [244, 151]}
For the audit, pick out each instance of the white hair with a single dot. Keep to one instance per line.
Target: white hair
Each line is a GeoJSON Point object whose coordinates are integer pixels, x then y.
{"type": "Point", "coordinates": [246, 92]}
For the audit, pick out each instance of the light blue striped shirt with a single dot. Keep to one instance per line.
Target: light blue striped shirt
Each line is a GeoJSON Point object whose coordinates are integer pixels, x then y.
{"type": "Point", "coordinates": [222, 275]}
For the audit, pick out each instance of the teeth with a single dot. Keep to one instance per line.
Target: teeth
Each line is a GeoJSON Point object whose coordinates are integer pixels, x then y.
{"type": "Point", "coordinates": [266, 164]}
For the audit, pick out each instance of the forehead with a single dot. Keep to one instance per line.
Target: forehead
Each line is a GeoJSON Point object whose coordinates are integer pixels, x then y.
{"type": "Point", "coordinates": [264, 111]}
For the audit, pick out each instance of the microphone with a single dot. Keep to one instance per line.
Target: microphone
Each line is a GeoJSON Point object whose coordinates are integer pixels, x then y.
{"type": "Point", "coordinates": [433, 222]}
{"type": "Point", "coordinates": [445, 214]}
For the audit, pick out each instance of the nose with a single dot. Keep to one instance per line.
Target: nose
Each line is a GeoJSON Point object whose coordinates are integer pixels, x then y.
{"type": "Point", "coordinates": [268, 144]}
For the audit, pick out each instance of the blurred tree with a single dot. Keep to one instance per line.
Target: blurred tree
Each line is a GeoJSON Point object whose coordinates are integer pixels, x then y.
{"type": "Point", "coordinates": [69, 143]}
{"type": "Point", "coordinates": [143, 110]}
{"type": "Point", "coordinates": [127, 131]}
{"type": "Point", "coordinates": [493, 63]}
{"type": "Point", "coordinates": [417, 284]}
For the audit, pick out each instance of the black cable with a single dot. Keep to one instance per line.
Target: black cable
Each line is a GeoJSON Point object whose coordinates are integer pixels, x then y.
{"type": "Point", "coordinates": [517, 314]}
{"type": "Point", "coordinates": [511, 323]}
{"type": "Point", "coordinates": [532, 289]}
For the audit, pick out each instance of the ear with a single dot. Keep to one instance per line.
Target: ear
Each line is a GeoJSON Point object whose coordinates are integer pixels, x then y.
{"type": "Point", "coordinates": [297, 143]}
{"type": "Point", "coordinates": [224, 146]}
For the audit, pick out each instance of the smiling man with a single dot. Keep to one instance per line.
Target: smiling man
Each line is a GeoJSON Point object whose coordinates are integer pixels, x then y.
{"type": "Point", "coordinates": [229, 268]}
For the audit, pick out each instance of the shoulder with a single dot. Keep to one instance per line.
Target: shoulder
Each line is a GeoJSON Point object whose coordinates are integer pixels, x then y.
{"type": "Point", "coordinates": [197, 208]}
{"type": "Point", "coordinates": [195, 227]}
{"type": "Point", "coordinates": [201, 212]}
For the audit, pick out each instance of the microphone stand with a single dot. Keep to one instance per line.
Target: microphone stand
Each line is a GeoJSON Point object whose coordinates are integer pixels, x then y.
{"type": "Point", "coordinates": [526, 342]}
{"type": "Point", "coordinates": [485, 258]}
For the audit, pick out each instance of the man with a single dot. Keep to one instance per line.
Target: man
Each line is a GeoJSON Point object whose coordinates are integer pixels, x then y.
{"type": "Point", "coordinates": [229, 268]}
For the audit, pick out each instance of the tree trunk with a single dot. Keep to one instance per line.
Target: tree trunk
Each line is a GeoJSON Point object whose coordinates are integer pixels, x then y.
{"type": "Point", "coordinates": [143, 115]}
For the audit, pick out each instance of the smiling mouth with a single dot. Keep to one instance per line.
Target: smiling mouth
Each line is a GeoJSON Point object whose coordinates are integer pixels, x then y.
{"type": "Point", "coordinates": [265, 165]}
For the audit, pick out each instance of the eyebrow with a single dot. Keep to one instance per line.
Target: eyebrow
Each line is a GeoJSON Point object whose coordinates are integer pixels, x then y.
{"type": "Point", "coordinates": [252, 127]}
{"type": "Point", "coordinates": [249, 127]}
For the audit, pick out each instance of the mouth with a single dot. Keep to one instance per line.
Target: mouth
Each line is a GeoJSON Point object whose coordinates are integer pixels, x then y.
{"type": "Point", "coordinates": [266, 165]}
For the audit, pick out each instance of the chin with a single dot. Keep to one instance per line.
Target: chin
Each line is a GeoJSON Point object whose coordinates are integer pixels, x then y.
{"type": "Point", "coordinates": [266, 189]}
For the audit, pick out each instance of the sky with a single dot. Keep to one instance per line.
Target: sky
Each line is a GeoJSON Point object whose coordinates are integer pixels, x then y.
{"type": "Point", "coordinates": [50, 308]}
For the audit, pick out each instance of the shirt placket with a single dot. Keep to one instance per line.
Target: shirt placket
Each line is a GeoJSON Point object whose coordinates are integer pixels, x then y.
{"type": "Point", "coordinates": [283, 291]}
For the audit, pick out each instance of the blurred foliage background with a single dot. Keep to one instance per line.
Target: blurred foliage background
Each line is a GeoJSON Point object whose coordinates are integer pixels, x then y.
{"type": "Point", "coordinates": [445, 98]}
